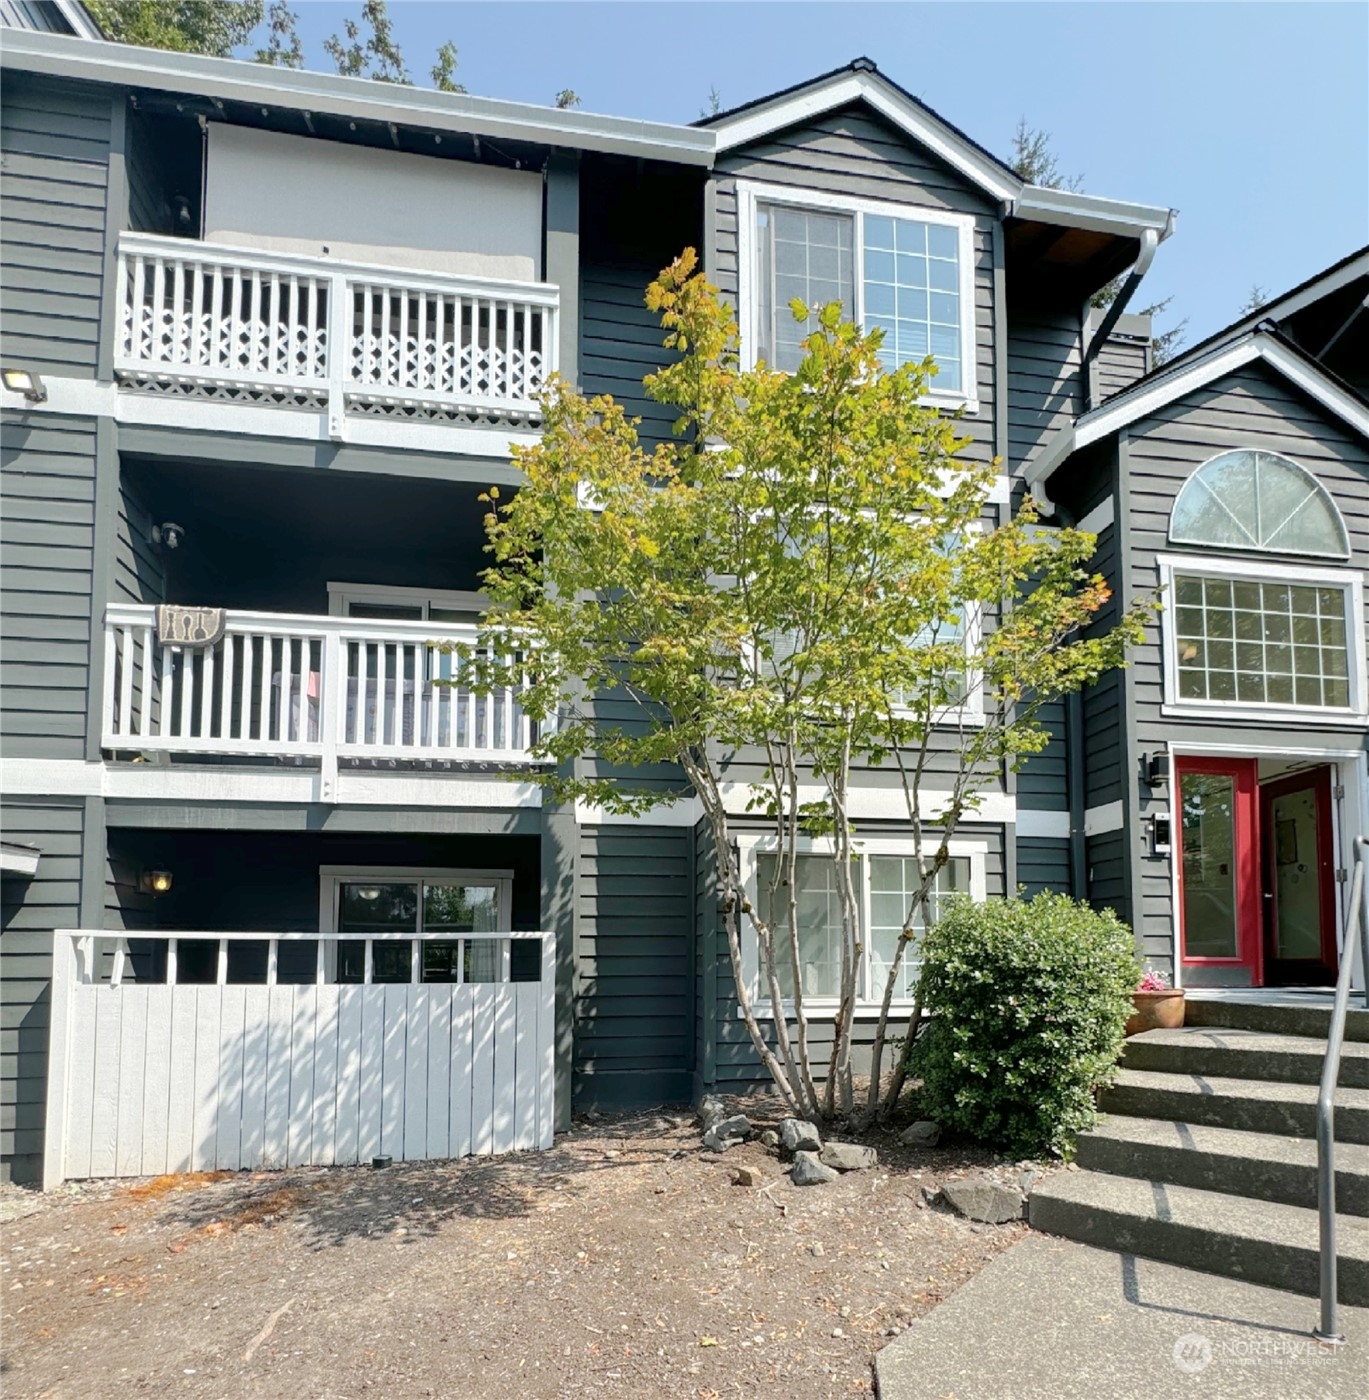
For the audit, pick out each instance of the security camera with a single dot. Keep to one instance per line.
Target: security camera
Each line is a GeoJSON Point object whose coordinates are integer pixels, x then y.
{"type": "Point", "coordinates": [168, 533]}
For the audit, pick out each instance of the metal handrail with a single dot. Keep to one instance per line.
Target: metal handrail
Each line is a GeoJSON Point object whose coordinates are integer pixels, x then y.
{"type": "Point", "coordinates": [1329, 1331]}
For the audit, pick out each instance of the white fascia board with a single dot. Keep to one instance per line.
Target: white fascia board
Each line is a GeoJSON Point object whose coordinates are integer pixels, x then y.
{"type": "Point", "coordinates": [40, 777]}
{"type": "Point", "coordinates": [843, 88]}
{"type": "Point", "coordinates": [87, 397]}
{"type": "Point", "coordinates": [80, 21]}
{"type": "Point", "coordinates": [1043, 825]}
{"type": "Point", "coordinates": [1134, 404]}
{"type": "Point", "coordinates": [1098, 821]}
{"type": "Point", "coordinates": [61, 55]}
{"type": "Point", "coordinates": [1087, 211]}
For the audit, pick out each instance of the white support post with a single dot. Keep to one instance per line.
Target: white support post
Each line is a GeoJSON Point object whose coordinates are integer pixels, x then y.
{"type": "Point", "coordinates": [116, 973]}
{"type": "Point", "coordinates": [272, 951]}
{"type": "Point", "coordinates": [333, 688]}
{"type": "Point", "coordinates": [339, 324]}
{"type": "Point", "coordinates": [59, 1038]}
{"type": "Point", "coordinates": [171, 967]}
{"type": "Point", "coordinates": [221, 976]}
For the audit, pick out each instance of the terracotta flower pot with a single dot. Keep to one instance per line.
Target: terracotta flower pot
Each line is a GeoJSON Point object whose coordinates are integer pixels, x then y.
{"type": "Point", "coordinates": [1156, 1011]}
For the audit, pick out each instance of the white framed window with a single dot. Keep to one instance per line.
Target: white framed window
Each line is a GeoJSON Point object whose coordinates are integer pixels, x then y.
{"type": "Point", "coordinates": [394, 604]}
{"type": "Point", "coordinates": [1257, 640]}
{"type": "Point", "coordinates": [886, 877]}
{"type": "Point", "coordinates": [408, 924]}
{"type": "Point", "coordinates": [903, 268]}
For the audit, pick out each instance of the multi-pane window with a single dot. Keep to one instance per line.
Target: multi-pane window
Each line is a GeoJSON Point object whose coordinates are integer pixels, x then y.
{"type": "Point", "coordinates": [806, 256]}
{"type": "Point", "coordinates": [894, 880]}
{"type": "Point", "coordinates": [885, 884]}
{"type": "Point", "coordinates": [912, 293]}
{"type": "Point", "coordinates": [902, 275]}
{"type": "Point", "coordinates": [1259, 642]}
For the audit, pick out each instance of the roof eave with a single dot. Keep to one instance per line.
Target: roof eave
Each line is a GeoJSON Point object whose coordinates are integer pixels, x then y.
{"type": "Point", "coordinates": [1041, 204]}
{"type": "Point", "coordinates": [355, 98]}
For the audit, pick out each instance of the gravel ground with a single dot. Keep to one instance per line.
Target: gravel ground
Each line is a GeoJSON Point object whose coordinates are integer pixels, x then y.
{"type": "Point", "coordinates": [623, 1262]}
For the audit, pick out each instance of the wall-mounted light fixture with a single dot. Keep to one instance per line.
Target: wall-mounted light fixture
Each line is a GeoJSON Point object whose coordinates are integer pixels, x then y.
{"type": "Point", "coordinates": [1154, 769]}
{"type": "Point", "coordinates": [155, 882]}
{"type": "Point", "coordinates": [370, 893]}
{"type": "Point", "coordinates": [168, 533]}
{"type": "Point", "coordinates": [26, 382]}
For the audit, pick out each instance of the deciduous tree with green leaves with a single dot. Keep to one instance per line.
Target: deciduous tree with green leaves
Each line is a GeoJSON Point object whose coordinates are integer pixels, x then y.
{"type": "Point", "coordinates": [800, 584]}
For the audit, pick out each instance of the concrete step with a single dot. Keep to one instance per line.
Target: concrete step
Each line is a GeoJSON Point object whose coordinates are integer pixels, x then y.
{"type": "Point", "coordinates": [1264, 1166]}
{"type": "Point", "coordinates": [1244, 1054]}
{"type": "Point", "coordinates": [1281, 1018]}
{"type": "Point", "coordinates": [1262, 1242]}
{"type": "Point", "coordinates": [1250, 1105]}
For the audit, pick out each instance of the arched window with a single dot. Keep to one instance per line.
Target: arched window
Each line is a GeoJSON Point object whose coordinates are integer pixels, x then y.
{"type": "Point", "coordinates": [1258, 500]}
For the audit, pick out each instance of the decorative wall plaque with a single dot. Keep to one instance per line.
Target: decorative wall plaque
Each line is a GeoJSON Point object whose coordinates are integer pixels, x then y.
{"type": "Point", "coordinates": [183, 625]}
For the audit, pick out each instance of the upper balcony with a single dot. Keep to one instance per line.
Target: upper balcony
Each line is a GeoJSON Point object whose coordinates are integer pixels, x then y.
{"type": "Point", "coordinates": [210, 321]}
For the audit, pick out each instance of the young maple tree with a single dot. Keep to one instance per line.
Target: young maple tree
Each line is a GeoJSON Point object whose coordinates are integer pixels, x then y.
{"type": "Point", "coordinates": [803, 583]}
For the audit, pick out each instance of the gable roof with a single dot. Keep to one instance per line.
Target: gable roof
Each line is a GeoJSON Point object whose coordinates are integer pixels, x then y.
{"type": "Point", "coordinates": [1182, 377]}
{"type": "Point", "coordinates": [1326, 283]}
{"type": "Point", "coordinates": [861, 81]}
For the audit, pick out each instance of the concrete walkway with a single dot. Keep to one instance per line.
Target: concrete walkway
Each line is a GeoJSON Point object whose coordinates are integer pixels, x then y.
{"type": "Point", "coordinates": [1053, 1320]}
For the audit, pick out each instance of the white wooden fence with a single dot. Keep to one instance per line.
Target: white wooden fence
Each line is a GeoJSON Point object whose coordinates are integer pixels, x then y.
{"type": "Point", "coordinates": [151, 1078]}
{"type": "Point", "coordinates": [312, 687]}
{"type": "Point", "coordinates": [365, 338]}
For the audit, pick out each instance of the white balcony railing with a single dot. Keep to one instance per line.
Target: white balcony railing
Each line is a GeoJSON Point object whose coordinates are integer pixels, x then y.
{"type": "Point", "coordinates": [303, 687]}
{"type": "Point", "coordinates": [206, 318]}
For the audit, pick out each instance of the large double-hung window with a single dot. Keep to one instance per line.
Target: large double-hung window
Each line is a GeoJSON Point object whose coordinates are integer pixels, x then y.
{"type": "Point", "coordinates": [906, 271]}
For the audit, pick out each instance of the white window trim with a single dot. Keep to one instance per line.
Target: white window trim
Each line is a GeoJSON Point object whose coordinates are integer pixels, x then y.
{"type": "Point", "coordinates": [341, 595]}
{"type": "Point", "coordinates": [333, 877]}
{"type": "Point", "coordinates": [749, 193]}
{"type": "Point", "coordinates": [1350, 581]}
{"type": "Point", "coordinates": [750, 845]}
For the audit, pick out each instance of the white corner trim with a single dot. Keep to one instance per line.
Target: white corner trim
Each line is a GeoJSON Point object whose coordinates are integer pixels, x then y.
{"type": "Point", "coordinates": [1054, 826]}
{"type": "Point", "coordinates": [16, 859]}
{"type": "Point", "coordinates": [1098, 821]}
{"type": "Point", "coordinates": [52, 777]}
{"type": "Point", "coordinates": [1099, 518]}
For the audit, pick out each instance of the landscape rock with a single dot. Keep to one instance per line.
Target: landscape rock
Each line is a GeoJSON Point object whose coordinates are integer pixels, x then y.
{"type": "Point", "coordinates": [923, 1133]}
{"type": "Point", "coordinates": [727, 1132]}
{"type": "Point", "coordinates": [746, 1176]}
{"type": "Point", "coordinates": [931, 1195]}
{"type": "Point", "coordinates": [847, 1157]}
{"type": "Point", "coordinates": [711, 1111]}
{"type": "Point", "coordinates": [798, 1135]}
{"type": "Point", "coordinates": [1028, 1179]}
{"type": "Point", "coordinates": [770, 1138]}
{"type": "Point", "coordinates": [808, 1171]}
{"type": "Point", "coordinates": [980, 1199]}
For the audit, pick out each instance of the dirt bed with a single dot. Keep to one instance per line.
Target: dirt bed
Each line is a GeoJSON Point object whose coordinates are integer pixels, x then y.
{"type": "Point", "coordinates": [624, 1262]}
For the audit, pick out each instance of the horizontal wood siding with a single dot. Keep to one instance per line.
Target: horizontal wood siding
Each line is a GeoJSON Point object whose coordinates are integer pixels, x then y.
{"type": "Point", "coordinates": [139, 571]}
{"type": "Point", "coordinates": [634, 1000]}
{"type": "Point", "coordinates": [47, 489]}
{"type": "Point", "coordinates": [55, 139]}
{"type": "Point", "coordinates": [31, 909]}
{"type": "Point", "coordinates": [1042, 864]}
{"type": "Point", "coordinates": [1042, 779]}
{"type": "Point", "coordinates": [1122, 360]}
{"type": "Point", "coordinates": [1252, 407]}
{"type": "Point", "coordinates": [1043, 380]}
{"type": "Point", "coordinates": [854, 152]}
{"type": "Point", "coordinates": [736, 1066]}
{"type": "Point", "coordinates": [620, 341]}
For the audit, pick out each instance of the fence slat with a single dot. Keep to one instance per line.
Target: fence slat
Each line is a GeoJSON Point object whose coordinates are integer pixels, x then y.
{"type": "Point", "coordinates": [156, 1077]}
{"type": "Point", "coordinates": [302, 1043]}
{"type": "Point", "coordinates": [280, 1014]}
{"type": "Point", "coordinates": [416, 1073]}
{"type": "Point", "coordinates": [482, 1068]}
{"type": "Point", "coordinates": [208, 1006]}
{"type": "Point", "coordinates": [228, 1152]}
{"type": "Point", "coordinates": [256, 1034]}
{"type": "Point", "coordinates": [323, 1131]}
{"type": "Point", "coordinates": [180, 1127]}
{"type": "Point", "coordinates": [372, 1071]}
{"type": "Point", "coordinates": [505, 1067]}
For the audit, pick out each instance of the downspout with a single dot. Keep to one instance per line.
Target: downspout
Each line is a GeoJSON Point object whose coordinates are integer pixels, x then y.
{"type": "Point", "coordinates": [1150, 241]}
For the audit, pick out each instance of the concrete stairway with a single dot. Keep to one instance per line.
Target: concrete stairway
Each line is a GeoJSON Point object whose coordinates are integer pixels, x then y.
{"type": "Point", "coordinates": [1207, 1155]}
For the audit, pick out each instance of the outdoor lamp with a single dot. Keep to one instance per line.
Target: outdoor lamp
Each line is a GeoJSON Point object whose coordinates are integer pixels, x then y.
{"type": "Point", "coordinates": [155, 882]}
{"type": "Point", "coordinates": [26, 382]}
{"type": "Point", "coordinates": [370, 893]}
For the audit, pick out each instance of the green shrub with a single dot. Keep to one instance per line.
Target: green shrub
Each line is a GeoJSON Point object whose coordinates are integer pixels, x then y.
{"type": "Point", "coordinates": [1029, 1001]}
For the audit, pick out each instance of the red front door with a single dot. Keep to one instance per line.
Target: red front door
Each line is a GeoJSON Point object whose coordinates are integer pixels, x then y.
{"type": "Point", "coordinates": [1217, 850]}
{"type": "Point", "coordinates": [1299, 880]}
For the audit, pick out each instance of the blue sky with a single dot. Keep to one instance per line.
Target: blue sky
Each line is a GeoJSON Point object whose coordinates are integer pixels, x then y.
{"type": "Point", "coordinates": [1251, 119]}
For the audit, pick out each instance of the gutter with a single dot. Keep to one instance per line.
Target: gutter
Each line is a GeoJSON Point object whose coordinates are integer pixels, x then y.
{"type": "Point", "coordinates": [62, 55]}
{"type": "Point", "coordinates": [1150, 242]}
